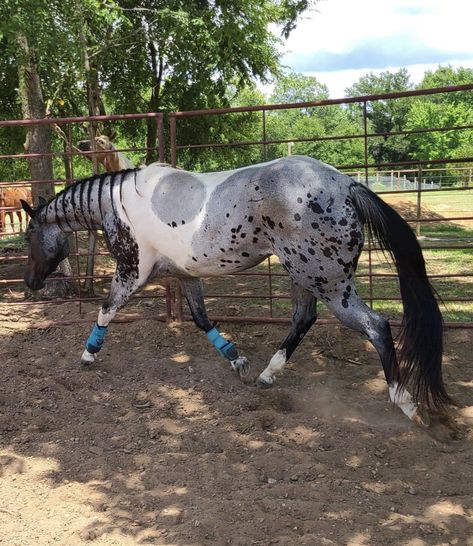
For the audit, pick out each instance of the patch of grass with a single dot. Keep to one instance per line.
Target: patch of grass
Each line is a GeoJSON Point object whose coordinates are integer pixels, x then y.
{"type": "Point", "coordinates": [12, 243]}
{"type": "Point", "coordinates": [447, 231]}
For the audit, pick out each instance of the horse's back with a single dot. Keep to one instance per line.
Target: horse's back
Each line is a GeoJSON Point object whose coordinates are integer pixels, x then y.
{"type": "Point", "coordinates": [288, 171]}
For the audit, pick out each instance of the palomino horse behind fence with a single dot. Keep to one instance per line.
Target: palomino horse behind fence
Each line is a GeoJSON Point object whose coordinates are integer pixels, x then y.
{"type": "Point", "coordinates": [106, 154]}
{"type": "Point", "coordinates": [10, 204]}
{"type": "Point", "coordinates": [162, 221]}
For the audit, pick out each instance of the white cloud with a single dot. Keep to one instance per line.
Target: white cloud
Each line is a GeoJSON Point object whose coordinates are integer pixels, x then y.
{"type": "Point", "coordinates": [344, 39]}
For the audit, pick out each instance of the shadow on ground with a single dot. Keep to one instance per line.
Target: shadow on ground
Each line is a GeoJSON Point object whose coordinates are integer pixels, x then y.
{"type": "Point", "coordinates": [159, 443]}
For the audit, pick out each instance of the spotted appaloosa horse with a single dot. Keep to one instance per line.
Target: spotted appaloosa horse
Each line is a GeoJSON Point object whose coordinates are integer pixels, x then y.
{"type": "Point", "coordinates": [164, 221]}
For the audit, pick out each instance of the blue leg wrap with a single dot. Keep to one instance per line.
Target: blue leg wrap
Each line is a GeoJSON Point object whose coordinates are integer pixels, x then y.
{"type": "Point", "coordinates": [95, 341]}
{"type": "Point", "coordinates": [226, 348]}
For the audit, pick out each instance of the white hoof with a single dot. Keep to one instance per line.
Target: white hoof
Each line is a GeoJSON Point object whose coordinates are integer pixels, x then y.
{"type": "Point", "coordinates": [265, 381]}
{"type": "Point", "coordinates": [403, 399]}
{"type": "Point", "coordinates": [87, 358]}
{"type": "Point", "coordinates": [275, 365]}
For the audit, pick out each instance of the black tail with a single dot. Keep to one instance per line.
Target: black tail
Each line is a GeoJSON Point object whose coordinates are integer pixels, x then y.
{"type": "Point", "coordinates": [421, 338]}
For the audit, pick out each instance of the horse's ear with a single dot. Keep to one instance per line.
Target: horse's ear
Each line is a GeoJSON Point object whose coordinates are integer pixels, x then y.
{"type": "Point", "coordinates": [42, 201]}
{"type": "Point", "coordinates": [29, 210]}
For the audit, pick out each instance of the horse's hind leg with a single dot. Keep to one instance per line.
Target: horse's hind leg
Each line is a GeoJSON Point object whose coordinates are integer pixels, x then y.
{"type": "Point", "coordinates": [351, 310]}
{"type": "Point", "coordinates": [194, 295]}
{"type": "Point", "coordinates": [304, 316]}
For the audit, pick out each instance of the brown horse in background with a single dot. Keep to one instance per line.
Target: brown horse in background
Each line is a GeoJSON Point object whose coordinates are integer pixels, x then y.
{"type": "Point", "coordinates": [10, 199]}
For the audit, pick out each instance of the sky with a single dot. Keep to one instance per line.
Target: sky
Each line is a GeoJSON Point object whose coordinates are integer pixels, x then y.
{"type": "Point", "coordinates": [341, 40]}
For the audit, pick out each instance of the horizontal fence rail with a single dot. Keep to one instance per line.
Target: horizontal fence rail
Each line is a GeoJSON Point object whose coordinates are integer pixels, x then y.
{"type": "Point", "coordinates": [260, 295]}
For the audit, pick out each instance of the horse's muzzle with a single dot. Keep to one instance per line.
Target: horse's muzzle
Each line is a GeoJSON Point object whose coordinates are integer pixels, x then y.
{"type": "Point", "coordinates": [84, 145]}
{"type": "Point", "coordinates": [33, 283]}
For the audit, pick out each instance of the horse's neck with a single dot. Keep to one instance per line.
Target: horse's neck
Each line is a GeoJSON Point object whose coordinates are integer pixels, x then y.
{"type": "Point", "coordinates": [120, 160]}
{"type": "Point", "coordinates": [86, 204]}
{"type": "Point", "coordinates": [124, 162]}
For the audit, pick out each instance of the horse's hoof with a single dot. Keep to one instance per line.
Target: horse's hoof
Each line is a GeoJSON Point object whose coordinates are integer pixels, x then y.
{"type": "Point", "coordinates": [87, 358]}
{"type": "Point", "coordinates": [241, 366]}
{"type": "Point", "coordinates": [263, 383]}
{"type": "Point", "coordinates": [421, 417]}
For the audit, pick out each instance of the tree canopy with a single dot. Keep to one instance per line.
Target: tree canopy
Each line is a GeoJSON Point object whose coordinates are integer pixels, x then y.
{"type": "Point", "coordinates": [173, 55]}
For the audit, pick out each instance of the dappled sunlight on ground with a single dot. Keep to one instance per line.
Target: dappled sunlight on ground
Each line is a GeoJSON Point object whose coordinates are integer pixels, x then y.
{"type": "Point", "coordinates": [160, 443]}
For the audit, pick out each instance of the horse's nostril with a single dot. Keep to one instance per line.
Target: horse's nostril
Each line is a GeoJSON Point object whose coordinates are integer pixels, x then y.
{"type": "Point", "coordinates": [83, 145]}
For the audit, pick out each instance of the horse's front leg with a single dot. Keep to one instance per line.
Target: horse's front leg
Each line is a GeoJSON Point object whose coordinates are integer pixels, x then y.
{"type": "Point", "coordinates": [194, 295]}
{"type": "Point", "coordinates": [122, 288]}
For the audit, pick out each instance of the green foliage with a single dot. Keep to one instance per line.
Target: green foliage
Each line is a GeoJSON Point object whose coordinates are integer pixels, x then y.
{"type": "Point", "coordinates": [385, 115]}
{"type": "Point", "coordinates": [150, 55]}
{"type": "Point", "coordinates": [157, 55]}
{"type": "Point", "coordinates": [438, 145]}
{"type": "Point", "coordinates": [443, 110]}
{"type": "Point", "coordinates": [445, 76]}
{"type": "Point", "coordinates": [315, 122]}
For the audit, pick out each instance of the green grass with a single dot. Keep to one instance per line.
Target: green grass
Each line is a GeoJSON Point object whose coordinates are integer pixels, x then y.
{"type": "Point", "coordinates": [11, 243]}
{"type": "Point", "coordinates": [449, 200]}
{"type": "Point", "coordinates": [440, 205]}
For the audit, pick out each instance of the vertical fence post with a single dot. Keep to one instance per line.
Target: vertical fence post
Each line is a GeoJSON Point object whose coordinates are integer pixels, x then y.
{"type": "Point", "coordinates": [370, 246]}
{"type": "Point", "coordinates": [92, 237]}
{"type": "Point", "coordinates": [160, 136]}
{"type": "Point", "coordinates": [76, 239]}
{"type": "Point", "coordinates": [172, 138]}
{"type": "Point", "coordinates": [174, 292]}
{"type": "Point", "coordinates": [365, 140]}
{"type": "Point", "coordinates": [419, 199]}
{"type": "Point", "coordinates": [264, 150]}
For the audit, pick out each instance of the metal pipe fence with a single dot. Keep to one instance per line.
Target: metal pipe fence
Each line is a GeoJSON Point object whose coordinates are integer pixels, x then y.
{"type": "Point", "coordinates": [261, 295]}
{"type": "Point", "coordinates": [407, 177]}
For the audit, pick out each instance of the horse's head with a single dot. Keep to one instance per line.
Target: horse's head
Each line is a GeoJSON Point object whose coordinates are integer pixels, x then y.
{"type": "Point", "coordinates": [102, 145]}
{"type": "Point", "coordinates": [47, 246]}
{"type": "Point", "coordinates": [104, 152]}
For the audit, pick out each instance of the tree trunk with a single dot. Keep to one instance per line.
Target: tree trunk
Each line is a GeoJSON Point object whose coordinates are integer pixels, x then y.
{"type": "Point", "coordinates": [94, 106]}
{"type": "Point", "coordinates": [38, 137]}
{"type": "Point", "coordinates": [153, 105]}
{"type": "Point", "coordinates": [38, 141]}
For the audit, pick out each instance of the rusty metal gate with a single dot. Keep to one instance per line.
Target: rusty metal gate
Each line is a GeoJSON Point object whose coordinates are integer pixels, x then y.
{"type": "Point", "coordinates": [262, 294]}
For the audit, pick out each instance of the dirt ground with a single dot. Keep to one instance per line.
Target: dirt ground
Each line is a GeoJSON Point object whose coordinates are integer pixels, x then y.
{"type": "Point", "coordinates": [160, 443]}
